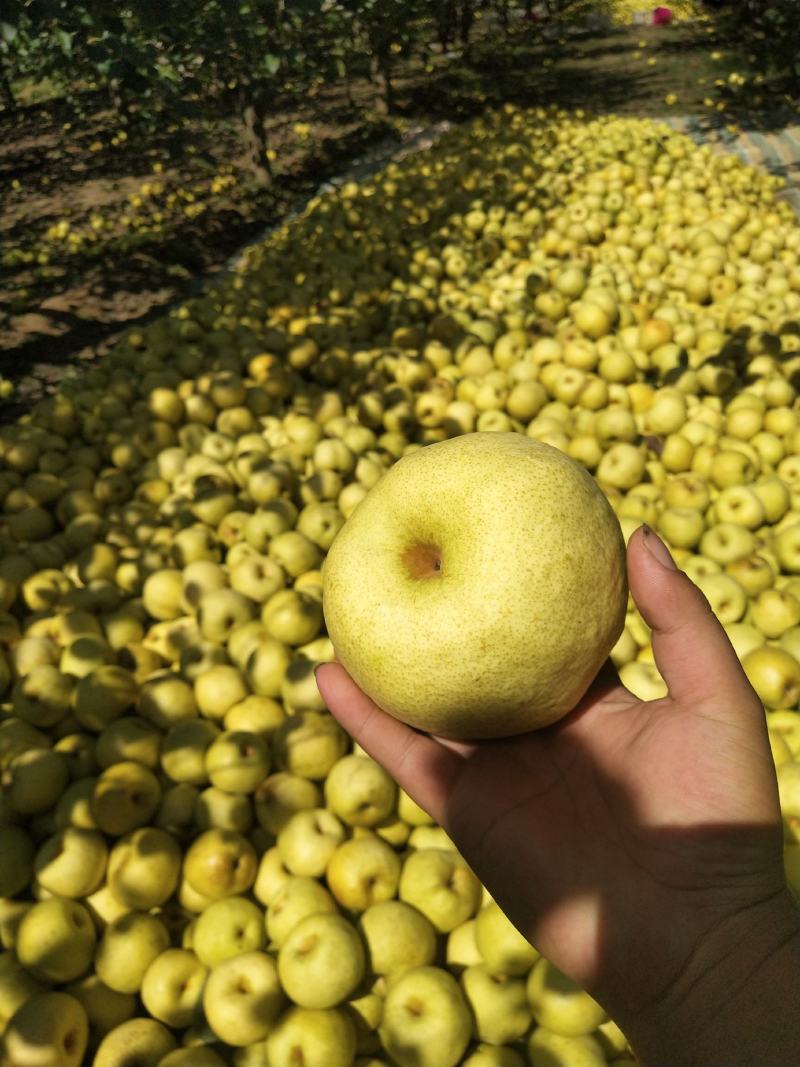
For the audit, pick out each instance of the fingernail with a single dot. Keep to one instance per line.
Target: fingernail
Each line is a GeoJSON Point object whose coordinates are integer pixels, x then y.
{"type": "Point", "coordinates": [657, 549]}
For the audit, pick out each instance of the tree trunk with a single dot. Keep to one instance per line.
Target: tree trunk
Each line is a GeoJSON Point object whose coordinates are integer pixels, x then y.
{"type": "Point", "coordinates": [446, 24]}
{"type": "Point", "coordinates": [467, 19]}
{"type": "Point", "coordinates": [7, 98]}
{"type": "Point", "coordinates": [528, 10]}
{"type": "Point", "coordinates": [254, 115]}
{"type": "Point", "coordinates": [503, 9]}
{"type": "Point", "coordinates": [381, 74]}
{"type": "Point", "coordinates": [348, 88]}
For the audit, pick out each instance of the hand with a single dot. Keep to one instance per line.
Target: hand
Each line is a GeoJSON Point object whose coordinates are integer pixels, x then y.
{"type": "Point", "coordinates": [633, 843]}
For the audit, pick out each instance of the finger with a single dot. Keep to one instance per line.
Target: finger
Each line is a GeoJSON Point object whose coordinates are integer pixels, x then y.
{"type": "Point", "coordinates": [690, 646]}
{"type": "Point", "coordinates": [416, 761]}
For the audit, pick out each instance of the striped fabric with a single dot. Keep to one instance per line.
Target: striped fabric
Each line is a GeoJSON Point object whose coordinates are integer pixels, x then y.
{"type": "Point", "coordinates": [777, 151]}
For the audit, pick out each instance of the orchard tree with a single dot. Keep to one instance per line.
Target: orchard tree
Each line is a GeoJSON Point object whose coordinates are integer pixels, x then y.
{"type": "Point", "coordinates": [384, 30]}
{"type": "Point", "coordinates": [160, 69]}
{"type": "Point", "coordinates": [89, 44]}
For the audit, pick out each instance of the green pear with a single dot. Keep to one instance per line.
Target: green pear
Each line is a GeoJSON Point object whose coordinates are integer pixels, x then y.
{"type": "Point", "coordinates": [127, 948]}
{"type": "Point", "coordinates": [308, 841]}
{"type": "Point", "coordinates": [56, 940]}
{"type": "Point", "coordinates": [499, 1004]}
{"type": "Point", "coordinates": [296, 899]}
{"type": "Point", "coordinates": [398, 937]}
{"type": "Point", "coordinates": [192, 1057]}
{"type": "Point", "coordinates": [558, 1004]}
{"type": "Point", "coordinates": [363, 871]}
{"type": "Point", "coordinates": [172, 987]}
{"type": "Point", "coordinates": [314, 1037]}
{"type": "Point", "coordinates": [322, 961]}
{"type": "Point", "coordinates": [426, 1019]}
{"type": "Point", "coordinates": [359, 791]}
{"type": "Point", "coordinates": [280, 795]}
{"type": "Point", "coordinates": [242, 998]}
{"type": "Point", "coordinates": [462, 948]}
{"type": "Point", "coordinates": [17, 986]}
{"type": "Point", "coordinates": [501, 945]}
{"type": "Point", "coordinates": [309, 743]}
{"type": "Point", "coordinates": [548, 1049]}
{"type": "Point", "coordinates": [220, 863]}
{"type": "Point", "coordinates": [494, 1056]}
{"type": "Point", "coordinates": [441, 885]}
{"type": "Point", "coordinates": [49, 1030]}
{"type": "Point", "coordinates": [144, 867]}
{"type": "Point", "coordinates": [104, 1007]}
{"type": "Point", "coordinates": [17, 850]}
{"type": "Point", "coordinates": [431, 530]}
{"type": "Point", "coordinates": [228, 928]}
{"type": "Point", "coordinates": [140, 1041]}
{"type": "Point", "coordinates": [183, 753]}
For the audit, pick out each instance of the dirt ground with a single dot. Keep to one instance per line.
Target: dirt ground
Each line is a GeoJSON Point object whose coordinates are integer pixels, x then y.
{"type": "Point", "coordinates": [57, 169]}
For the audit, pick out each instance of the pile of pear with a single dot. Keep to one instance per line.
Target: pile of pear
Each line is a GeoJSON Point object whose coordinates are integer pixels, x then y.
{"type": "Point", "coordinates": [197, 866]}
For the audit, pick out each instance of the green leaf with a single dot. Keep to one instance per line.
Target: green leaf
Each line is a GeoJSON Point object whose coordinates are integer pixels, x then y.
{"type": "Point", "coordinates": [65, 40]}
{"type": "Point", "coordinates": [271, 63]}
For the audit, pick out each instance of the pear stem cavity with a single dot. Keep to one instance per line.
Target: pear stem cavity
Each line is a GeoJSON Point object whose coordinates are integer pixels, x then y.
{"type": "Point", "coordinates": [423, 560]}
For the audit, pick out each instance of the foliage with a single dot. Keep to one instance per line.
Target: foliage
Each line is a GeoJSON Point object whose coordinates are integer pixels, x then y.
{"type": "Point", "coordinates": [772, 31]}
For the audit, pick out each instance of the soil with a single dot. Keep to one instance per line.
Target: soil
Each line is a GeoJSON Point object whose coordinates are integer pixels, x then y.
{"type": "Point", "coordinates": [55, 165]}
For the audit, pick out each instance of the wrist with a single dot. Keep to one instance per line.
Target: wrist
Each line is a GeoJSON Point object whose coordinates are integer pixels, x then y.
{"type": "Point", "coordinates": [737, 999]}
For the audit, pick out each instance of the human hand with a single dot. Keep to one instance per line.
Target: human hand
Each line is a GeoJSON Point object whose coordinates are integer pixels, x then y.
{"type": "Point", "coordinates": [637, 845]}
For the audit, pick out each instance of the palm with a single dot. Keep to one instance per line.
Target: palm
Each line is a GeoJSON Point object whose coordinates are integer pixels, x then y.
{"type": "Point", "coordinates": [610, 815]}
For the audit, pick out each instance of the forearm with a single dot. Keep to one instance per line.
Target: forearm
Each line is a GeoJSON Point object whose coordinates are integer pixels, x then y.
{"type": "Point", "coordinates": [736, 1004]}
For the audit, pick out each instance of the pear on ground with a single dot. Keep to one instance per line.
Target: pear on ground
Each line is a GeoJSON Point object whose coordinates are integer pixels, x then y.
{"type": "Point", "coordinates": [141, 1041]}
{"type": "Point", "coordinates": [227, 928]}
{"type": "Point", "coordinates": [56, 940]}
{"type": "Point", "coordinates": [296, 899]}
{"type": "Point", "coordinates": [499, 1004]}
{"type": "Point", "coordinates": [127, 948]}
{"type": "Point", "coordinates": [398, 938]}
{"type": "Point", "coordinates": [439, 883]}
{"type": "Point", "coordinates": [558, 1004]}
{"type": "Point", "coordinates": [462, 948]}
{"type": "Point", "coordinates": [243, 998]}
{"type": "Point", "coordinates": [144, 868]}
{"type": "Point", "coordinates": [363, 871]}
{"type": "Point", "coordinates": [220, 863]}
{"type": "Point", "coordinates": [322, 961]}
{"type": "Point", "coordinates": [366, 1011]}
{"type": "Point", "coordinates": [426, 1019]}
{"type": "Point", "coordinates": [282, 794]}
{"type": "Point", "coordinates": [500, 944]}
{"type": "Point", "coordinates": [17, 849]}
{"type": "Point", "coordinates": [494, 1056]}
{"type": "Point", "coordinates": [192, 1057]}
{"type": "Point", "coordinates": [549, 1049]}
{"type": "Point", "coordinates": [271, 876]}
{"type": "Point", "coordinates": [49, 1030]}
{"type": "Point", "coordinates": [313, 1037]}
{"type": "Point", "coordinates": [104, 1007]}
{"type": "Point", "coordinates": [308, 840]}
{"type": "Point", "coordinates": [172, 987]}
{"type": "Point", "coordinates": [17, 986]}
{"type": "Point", "coordinates": [359, 791]}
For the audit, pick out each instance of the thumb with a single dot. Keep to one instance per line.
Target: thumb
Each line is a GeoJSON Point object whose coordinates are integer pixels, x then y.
{"type": "Point", "coordinates": [690, 646]}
